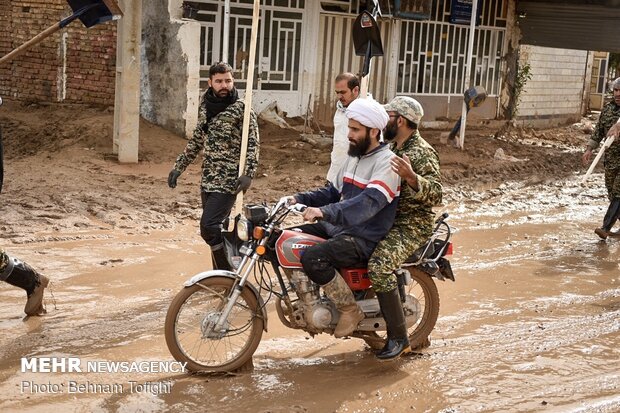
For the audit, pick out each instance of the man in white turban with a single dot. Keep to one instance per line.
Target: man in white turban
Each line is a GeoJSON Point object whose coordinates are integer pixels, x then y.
{"type": "Point", "coordinates": [369, 113]}
{"type": "Point", "coordinates": [356, 210]}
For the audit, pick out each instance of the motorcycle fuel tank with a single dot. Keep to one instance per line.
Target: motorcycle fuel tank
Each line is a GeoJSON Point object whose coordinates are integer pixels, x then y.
{"type": "Point", "coordinates": [290, 247]}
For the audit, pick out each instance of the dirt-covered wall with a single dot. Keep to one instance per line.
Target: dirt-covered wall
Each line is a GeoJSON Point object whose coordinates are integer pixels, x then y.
{"type": "Point", "coordinates": [73, 65]}
{"type": "Point", "coordinates": [170, 67]}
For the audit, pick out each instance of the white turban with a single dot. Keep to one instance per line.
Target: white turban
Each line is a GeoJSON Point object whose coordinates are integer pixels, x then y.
{"type": "Point", "coordinates": [368, 112]}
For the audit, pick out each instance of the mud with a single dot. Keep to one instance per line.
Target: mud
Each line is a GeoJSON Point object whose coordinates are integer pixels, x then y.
{"type": "Point", "coordinates": [531, 323]}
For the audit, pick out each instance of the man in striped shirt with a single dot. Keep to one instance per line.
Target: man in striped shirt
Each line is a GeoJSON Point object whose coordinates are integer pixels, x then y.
{"type": "Point", "coordinates": [355, 211]}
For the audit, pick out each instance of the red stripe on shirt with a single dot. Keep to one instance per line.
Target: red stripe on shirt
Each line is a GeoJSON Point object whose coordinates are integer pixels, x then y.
{"type": "Point", "coordinates": [384, 186]}
{"type": "Point", "coordinates": [354, 182]}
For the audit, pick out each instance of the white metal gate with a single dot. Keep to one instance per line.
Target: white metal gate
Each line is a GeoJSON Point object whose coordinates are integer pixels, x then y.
{"type": "Point", "coordinates": [432, 57]}
{"type": "Point", "coordinates": [278, 46]}
{"type": "Point", "coordinates": [429, 56]}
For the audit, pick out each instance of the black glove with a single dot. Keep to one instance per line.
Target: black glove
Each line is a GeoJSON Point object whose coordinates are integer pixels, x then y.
{"type": "Point", "coordinates": [243, 183]}
{"type": "Point", "coordinates": [172, 178]}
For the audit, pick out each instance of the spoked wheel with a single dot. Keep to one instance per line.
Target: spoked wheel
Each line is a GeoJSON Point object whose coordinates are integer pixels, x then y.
{"type": "Point", "coordinates": [190, 333]}
{"type": "Point", "coordinates": [424, 290]}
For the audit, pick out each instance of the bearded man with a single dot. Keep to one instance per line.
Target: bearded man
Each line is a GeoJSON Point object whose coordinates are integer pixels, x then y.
{"type": "Point", "coordinates": [355, 210]}
{"type": "Point", "coordinates": [218, 135]}
{"type": "Point", "coordinates": [417, 164]}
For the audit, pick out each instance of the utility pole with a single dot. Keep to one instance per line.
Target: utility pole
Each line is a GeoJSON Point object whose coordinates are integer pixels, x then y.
{"type": "Point", "coordinates": [127, 93]}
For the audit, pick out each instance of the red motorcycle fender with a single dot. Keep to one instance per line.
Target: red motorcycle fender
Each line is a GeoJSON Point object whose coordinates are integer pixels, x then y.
{"type": "Point", "coordinates": [229, 274]}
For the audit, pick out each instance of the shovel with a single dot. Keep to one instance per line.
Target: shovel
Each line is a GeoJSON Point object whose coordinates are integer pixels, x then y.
{"type": "Point", "coordinates": [367, 41]}
{"type": "Point", "coordinates": [90, 12]}
{"type": "Point", "coordinates": [473, 97]}
{"type": "Point", "coordinates": [606, 144]}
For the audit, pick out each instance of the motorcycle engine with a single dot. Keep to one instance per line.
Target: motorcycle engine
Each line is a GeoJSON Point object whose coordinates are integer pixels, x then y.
{"type": "Point", "coordinates": [306, 290]}
{"type": "Point", "coordinates": [317, 314]}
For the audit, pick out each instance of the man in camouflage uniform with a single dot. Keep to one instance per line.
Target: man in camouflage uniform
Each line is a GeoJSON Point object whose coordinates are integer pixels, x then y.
{"type": "Point", "coordinates": [22, 275]}
{"type": "Point", "coordinates": [218, 134]}
{"type": "Point", "coordinates": [417, 163]}
{"type": "Point", "coordinates": [610, 115]}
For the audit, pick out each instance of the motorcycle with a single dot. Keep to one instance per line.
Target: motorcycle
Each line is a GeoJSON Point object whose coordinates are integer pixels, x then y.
{"type": "Point", "coordinates": [215, 323]}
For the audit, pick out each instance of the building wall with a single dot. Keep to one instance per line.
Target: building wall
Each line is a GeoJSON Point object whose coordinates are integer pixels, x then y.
{"type": "Point", "coordinates": [72, 65]}
{"type": "Point", "coordinates": [170, 67]}
{"type": "Point", "coordinates": [554, 93]}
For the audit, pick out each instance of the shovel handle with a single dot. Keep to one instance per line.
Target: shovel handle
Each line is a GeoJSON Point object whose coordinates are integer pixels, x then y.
{"type": "Point", "coordinates": [37, 39]}
{"type": "Point", "coordinates": [608, 141]}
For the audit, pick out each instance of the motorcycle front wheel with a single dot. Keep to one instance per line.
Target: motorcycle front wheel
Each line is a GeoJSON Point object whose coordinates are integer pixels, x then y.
{"type": "Point", "coordinates": [423, 288]}
{"type": "Point", "coordinates": [190, 333]}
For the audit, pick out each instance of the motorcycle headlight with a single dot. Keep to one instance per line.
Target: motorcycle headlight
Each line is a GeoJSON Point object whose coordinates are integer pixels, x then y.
{"type": "Point", "coordinates": [244, 229]}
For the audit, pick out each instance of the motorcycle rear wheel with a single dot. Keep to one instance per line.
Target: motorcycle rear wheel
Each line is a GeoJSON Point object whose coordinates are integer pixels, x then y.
{"type": "Point", "coordinates": [194, 309]}
{"type": "Point", "coordinates": [423, 288]}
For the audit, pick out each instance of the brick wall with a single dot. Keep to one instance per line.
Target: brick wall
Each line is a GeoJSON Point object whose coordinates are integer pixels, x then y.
{"type": "Point", "coordinates": [556, 87]}
{"type": "Point", "coordinates": [73, 65]}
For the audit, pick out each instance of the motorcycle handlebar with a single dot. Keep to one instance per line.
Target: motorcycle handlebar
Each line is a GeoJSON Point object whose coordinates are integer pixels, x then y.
{"type": "Point", "coordinates": [442, 217]}
{"type": "Point", "coordinates": [298, 209]}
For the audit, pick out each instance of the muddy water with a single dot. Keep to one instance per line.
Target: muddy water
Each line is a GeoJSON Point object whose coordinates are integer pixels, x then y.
{"type": "Point", "coordinates": [532, 323]}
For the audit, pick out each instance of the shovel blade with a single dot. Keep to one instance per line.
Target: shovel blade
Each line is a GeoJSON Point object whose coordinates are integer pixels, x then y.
{"type": "Point", "coordinates": [100, 11]}
{"type": "Point", "coordinates": [366, 33]}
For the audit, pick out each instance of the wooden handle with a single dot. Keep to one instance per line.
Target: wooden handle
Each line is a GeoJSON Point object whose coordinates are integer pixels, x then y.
{"type": "Point", "coordinates": [37, 39]}
{"type": "Point", "coordinates": [248, 100]}
{"type": "Point", "coordinates": [608, 141]}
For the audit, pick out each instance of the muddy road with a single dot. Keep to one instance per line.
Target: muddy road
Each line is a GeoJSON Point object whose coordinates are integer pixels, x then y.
{"type": "Point", "coordinates": [531, 324]}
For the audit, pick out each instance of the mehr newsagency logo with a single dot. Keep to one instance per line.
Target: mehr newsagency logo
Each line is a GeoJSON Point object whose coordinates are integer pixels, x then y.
{"type": "Point", "coordinates": [76, 365]}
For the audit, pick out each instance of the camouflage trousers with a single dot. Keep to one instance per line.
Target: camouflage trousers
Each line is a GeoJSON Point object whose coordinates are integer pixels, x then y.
{"type": "Point", "coordinates": [612, 180]}
{"type": "Point", "coordinates": [392, 251]}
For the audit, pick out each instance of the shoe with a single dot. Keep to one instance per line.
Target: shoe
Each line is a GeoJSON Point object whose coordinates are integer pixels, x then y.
{"type": "Point", "coordinates": [34, 304]}
{"type": "Point", "coordinates": [611, 216]}
{"type": "Point", "coordinates": [602, 233]}
{"type": "Point", "coordinates": [397, 342]}
{"type": "Point", "coordinates": [350, 317]}
{"type": "Point", "coordinates": [340, 293]}
{"type": "Point", "coordinates": [27, 278]}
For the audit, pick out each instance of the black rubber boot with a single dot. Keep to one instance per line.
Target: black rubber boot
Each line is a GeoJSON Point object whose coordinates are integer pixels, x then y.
{"type": "Point", "coordinates": [220, 260]}
{"type": "Point", "coordinates": [397, 340]}
{"type": "Point", "coordinates": [25, 277]}
{"type": "Point", "coordinates": [613, 212]}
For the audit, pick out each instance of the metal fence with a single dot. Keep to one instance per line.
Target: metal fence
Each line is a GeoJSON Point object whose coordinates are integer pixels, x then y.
{"type": "Point", "coordinates": [432, 57]}
{"type": "Point", "coordinates": [278, 43]}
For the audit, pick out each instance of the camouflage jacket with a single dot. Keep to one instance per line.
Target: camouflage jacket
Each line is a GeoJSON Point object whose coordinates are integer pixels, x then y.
{"type": "Point", "coordinates": [417, 206]}
{"type": "Point", "coordinates": [221, 145]}
{"type": "Point", "coordinates": [609, 116]}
